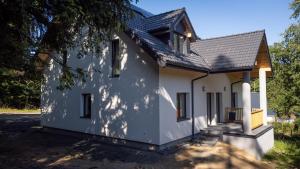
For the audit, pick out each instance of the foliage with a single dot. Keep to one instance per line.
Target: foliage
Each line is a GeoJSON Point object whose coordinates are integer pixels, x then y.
{"type": "Point", "coordinates": [255, 85]}
{"type": "Point", "coordinates": [295, 5]}
{"type": "Point", "coordinates": [285, 128]}
{"type": "Point", "coordinates": [19, 90]}
{"type": "Point", "coordinates": [286, 151]}
{"type": "Point", "coordinates": [284, 88]}
{"type": "Point", "coordinates": [33, 26]}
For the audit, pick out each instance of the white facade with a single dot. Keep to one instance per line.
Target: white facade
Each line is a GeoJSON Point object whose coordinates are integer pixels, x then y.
{"type": "Point", "coordinates": [140, 105]}
{"type": "Point", "coordinates": [125, 107]}
{"type": "Point", "coordinates": [173, 81]}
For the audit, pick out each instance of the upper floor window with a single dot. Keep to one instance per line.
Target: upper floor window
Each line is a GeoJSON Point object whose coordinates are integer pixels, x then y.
{"type": "Point", "coordinates": [86, 105]}
{"type": "Point", "coordinates": [181, 43]}
{"type": "Point", "coordinates": [178, 42]}
{"type": "Point", "coordinates": [115, 58]}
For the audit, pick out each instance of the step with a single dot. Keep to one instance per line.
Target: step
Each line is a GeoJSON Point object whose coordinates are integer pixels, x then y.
{"type": "Point", "coordinates": [211, 132]}
{"type": "Point", "coordinates": [209, 140]}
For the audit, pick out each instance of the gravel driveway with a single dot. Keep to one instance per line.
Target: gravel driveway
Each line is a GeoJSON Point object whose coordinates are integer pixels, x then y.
{"type": "Point", "coordinates": [23, 144]}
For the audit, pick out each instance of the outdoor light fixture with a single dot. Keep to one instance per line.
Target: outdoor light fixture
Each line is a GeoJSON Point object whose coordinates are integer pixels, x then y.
{"type": "Point", "coordinates": [203, 88]}
{"type": "Point", "coordinates": [224, 88]}
{"type": "Point", "coordinates": [189, 34]}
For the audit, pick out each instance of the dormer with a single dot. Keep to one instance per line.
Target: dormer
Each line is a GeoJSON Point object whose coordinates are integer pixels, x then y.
{"type": "Point", "coordinates": [174, 29]}
{"type": "Point", "coordinates": [183, 34]}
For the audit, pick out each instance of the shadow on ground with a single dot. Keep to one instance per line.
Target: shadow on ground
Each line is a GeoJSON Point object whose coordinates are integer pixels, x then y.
{"type": "Point", "coordinates": [23, 144]}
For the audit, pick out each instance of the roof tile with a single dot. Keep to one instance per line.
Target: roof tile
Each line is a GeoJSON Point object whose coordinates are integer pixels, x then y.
{"type": "Point", "coordinates": [215, 54]}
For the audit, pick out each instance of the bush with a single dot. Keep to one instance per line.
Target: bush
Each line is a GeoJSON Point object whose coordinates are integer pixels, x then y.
{"type": "Point", "coordinates": [285, 128]}
{"type": "Point", "coordinates": [19, 91]}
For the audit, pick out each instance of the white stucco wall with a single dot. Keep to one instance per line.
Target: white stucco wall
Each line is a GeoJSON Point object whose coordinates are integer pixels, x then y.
{"type": "Point", "coordinates": [213, 83]}
{"type": "Point", "coordinates": [124, 107]}
{"type": "Point", "coordinates": [173, 81]}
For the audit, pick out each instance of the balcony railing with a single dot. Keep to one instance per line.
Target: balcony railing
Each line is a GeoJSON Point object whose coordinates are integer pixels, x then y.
{"type": "Point", "coordinates": [235, 114]}
{"type": "Point", "coordinates": [256, 118]}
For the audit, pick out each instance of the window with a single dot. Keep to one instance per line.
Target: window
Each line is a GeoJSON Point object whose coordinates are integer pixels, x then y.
{"type": "Point", "coordinates": [175, 42]}
{"type": "Point", "coordinates": [178, 42]}
{"type": "Point", "coordinates": [115, 57]}
{"type": "Point", "coordinates": [187, 46]}
{"type": "Point", "coordinates": [86, 106]}
{"type": "Point", "coordinates": [182, 107]}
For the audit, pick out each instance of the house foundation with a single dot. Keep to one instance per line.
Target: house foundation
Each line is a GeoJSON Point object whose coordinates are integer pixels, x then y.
{"type": "Point", "coordinates": [259, 142]}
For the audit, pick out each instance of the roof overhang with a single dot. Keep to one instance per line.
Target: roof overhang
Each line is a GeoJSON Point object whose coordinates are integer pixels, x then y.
{"type": "Point", "coordinates": [261, 61]}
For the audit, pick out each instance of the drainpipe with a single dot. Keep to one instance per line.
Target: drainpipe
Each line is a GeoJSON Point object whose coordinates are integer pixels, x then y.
{"type": "Point", "coordinates": [193, 114]}
{"type": "Point", "coordinates": [231, 88]}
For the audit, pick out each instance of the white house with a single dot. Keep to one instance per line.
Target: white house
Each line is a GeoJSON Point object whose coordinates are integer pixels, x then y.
{"type": "Point", "coordinates": [160, 83]}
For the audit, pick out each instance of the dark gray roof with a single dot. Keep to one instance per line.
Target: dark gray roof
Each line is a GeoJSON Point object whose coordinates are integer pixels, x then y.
{"type": "Point", "coordinates": [138, 30]}
{"type": "Point", "coordinates": [162, 20]}
{"type": "Point", "coordinates": [160, 50]}
{"type": "Point", "coordinates": [234, 52]}
{"type": "Point", "coordinates": [230, 52]}
{"type": "Point", "coordinates": [141, 11]}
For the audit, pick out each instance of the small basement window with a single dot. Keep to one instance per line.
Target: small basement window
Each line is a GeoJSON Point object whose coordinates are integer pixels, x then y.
{"type": "Point", "coordinates": [86, 105]}
{"type": "Point", "coordinates": [182, 106]}
{"type": "Point", "coordinates": [115, 58]}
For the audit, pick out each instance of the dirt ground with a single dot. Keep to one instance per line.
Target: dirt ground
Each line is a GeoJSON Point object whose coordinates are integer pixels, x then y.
{"type": "Point", "coordinates": [23, 144]}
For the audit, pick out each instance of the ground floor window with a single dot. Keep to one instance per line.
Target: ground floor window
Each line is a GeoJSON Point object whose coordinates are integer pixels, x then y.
{"type": "Point", "coordinates": [182, 106]}
{"type": "Point", "coordinates": [86, 105]}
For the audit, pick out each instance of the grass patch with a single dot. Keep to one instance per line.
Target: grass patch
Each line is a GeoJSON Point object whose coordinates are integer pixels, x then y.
{"type": "Point", "coordinates": [13, 110]}
{"type": "Point", "coordinates": [286, 151]}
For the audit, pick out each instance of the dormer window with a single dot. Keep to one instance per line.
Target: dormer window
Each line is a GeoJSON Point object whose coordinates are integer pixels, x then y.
{"type": "Point", "coordinates": [181, 43]}
{"type": "Point", "coordinates": [178, 42]}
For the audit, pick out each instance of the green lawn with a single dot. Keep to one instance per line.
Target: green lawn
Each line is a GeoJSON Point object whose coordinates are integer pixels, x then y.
{"type": "Point", "coordinates": [286, 152]}
{"type": "Point", "coordinates": [12, 110]}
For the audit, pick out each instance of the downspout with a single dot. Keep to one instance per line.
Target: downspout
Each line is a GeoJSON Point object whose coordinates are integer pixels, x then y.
{"type": "Point", "coordinates": [193, 114]}
{"type": "Point", "coordinates": [231, 88]}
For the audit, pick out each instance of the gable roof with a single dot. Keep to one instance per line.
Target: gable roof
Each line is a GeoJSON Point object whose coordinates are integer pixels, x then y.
{"type": "Point", "coordinates": [231, 52]}
{"type": "Point", "coordinates": [158, 50]}
{"type": "Point", "coordinates": [228, 53]}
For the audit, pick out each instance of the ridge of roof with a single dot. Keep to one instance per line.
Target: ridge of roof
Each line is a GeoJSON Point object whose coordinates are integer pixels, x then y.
{"type": "Point", "coordinates": [174, 10]}
{"type": "Point", "coordinates": [232, 35]}
{"type": "Point", "coordinates": [141, 11]}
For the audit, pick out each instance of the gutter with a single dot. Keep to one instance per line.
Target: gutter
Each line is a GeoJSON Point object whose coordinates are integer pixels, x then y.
{"type": "Point", "coordinates": [193, 113]}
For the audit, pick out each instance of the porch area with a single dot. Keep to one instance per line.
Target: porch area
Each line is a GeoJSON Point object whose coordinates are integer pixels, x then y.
{"type": "Point", "coordinates": [233, 121]}
{"type": "Point", "coordinates": [235, 116]}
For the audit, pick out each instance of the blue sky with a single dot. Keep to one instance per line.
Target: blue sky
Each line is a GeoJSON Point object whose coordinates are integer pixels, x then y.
{"type": "Point", "coordinates": [212, 18]}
